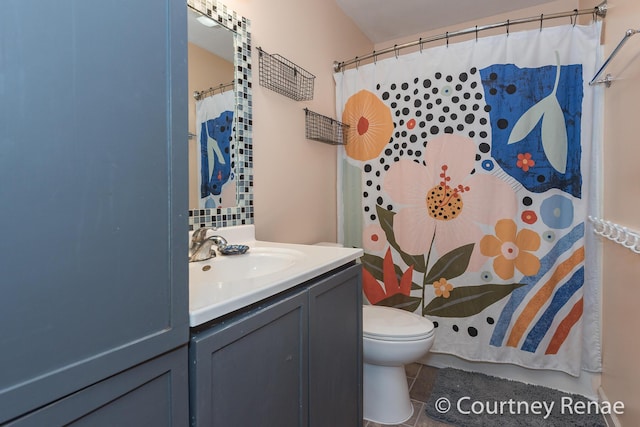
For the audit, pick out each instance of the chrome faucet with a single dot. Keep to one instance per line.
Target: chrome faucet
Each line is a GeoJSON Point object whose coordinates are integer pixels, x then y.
{"type": "Point", "coordinates": [202, 247]}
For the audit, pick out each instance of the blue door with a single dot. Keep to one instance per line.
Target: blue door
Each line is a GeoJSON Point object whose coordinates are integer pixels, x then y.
{"type": "Point", "coordinates": [93, 192]}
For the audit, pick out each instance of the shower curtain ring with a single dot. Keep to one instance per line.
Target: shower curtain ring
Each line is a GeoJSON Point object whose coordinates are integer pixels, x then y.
{"type": "Point", "coordinates": [447, 35]}
{"type": "Point", "coordinates": [611, 231]}
{"type": "Point", "coordinates": [541, 19]}
{"type": "Point", "coordinates": [375, 57]}
{"type": "Point", "coordinates": [395, 50]}
{"type": "Point", "coordinates": [507, 28]}
{"type": "Point", "coordinates": [420, 43]}
{"type": "Point", "coordinates": [476, 34]}
{"type": "Point", "coordinates": [357, 62]}
{"type": "Point", "coordinates": [621, 234]}
{"type": "Point", "coordinates": [631, 241]}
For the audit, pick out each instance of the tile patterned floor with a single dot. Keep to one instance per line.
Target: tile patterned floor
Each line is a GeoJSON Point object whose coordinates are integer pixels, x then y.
{"type": "Point", "coordinates": [421, 379]}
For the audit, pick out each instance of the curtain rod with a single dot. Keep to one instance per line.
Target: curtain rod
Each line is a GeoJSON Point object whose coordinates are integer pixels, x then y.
{"type": "Point", "coordinates": [608, 79]}
{"type": "Point", "coordinates": [600, 10]}
{"type": "Point", "coordinates": [200, 94]}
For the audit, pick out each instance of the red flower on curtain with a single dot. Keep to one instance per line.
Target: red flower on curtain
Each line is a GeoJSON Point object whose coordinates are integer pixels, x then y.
{"type": "Point", "coordinates": [375, 292]}
{"type": "Point", "coordinates": [525, 161]}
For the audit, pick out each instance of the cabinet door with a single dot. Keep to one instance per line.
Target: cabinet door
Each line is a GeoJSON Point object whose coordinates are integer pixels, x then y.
{"type": "Point", "coordinates": [93, 192]}
{"type": "Point", "coordinates": [335, 350]}
{"type": "Point", "coordinates": [252, 371]}
{"type": "Point", "coordinates": [152, 394]}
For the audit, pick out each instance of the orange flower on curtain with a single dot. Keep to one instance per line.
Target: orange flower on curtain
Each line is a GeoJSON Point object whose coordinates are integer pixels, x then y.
{"type": "Point", "coordinates": [370, 125]}
{"type": "Point", "coordinates": [376, 293]}
{"type": "Point", "coordinates": [442, 288]}
{"type": "Point", "coordinates": [511, 248]}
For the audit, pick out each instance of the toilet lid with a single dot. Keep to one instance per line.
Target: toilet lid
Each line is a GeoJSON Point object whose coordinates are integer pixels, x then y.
{"type": "Point", "coordinates": [394, 324]}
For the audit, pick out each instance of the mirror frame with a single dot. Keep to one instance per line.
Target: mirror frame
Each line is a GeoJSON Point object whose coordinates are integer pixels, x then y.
{"type": "Point", "coordinates": [242, 213]}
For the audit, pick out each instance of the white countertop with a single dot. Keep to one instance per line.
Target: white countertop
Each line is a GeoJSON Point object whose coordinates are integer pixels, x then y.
{"type": "Point", "coordinates": [208, 301]}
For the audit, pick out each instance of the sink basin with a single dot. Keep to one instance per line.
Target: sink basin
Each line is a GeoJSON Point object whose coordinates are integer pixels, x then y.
{"type": "Point", "coordinates": [257, 262]}
{"type": "Point", "coordinates": [227, 283]}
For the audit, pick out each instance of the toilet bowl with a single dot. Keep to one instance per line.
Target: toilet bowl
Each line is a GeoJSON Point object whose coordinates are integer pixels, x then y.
{"type": "Point", "coordinates": [391, 338]}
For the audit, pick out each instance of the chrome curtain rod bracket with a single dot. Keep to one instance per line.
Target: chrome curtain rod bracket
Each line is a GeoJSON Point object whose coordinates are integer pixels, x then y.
{"type": "Point", "coordinates": [601, 9]}
{"type": "Point", "coordinates": [598, 11]}
{"type": "Point", "coordinates": [608, 79]}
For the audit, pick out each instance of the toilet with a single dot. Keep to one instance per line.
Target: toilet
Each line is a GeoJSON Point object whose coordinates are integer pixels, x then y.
{"type": "Point", "coordinates": [391, 338]}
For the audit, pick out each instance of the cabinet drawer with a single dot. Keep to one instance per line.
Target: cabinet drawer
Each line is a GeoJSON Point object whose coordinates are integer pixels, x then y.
{"type": "Point", "coordinates": [154, 393]}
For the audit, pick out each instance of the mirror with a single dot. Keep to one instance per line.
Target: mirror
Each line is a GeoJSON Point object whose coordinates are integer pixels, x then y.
{"type": "Point", "coordinates": [211, 111]}
{"type": "Point", "coordinates": [220, 166]}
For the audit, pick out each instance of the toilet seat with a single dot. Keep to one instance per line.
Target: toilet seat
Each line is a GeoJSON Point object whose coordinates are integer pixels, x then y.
{"type": "Point", "coordinates": [392, 324]}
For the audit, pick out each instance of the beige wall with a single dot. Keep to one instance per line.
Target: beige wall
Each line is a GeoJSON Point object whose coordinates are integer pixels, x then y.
{"type": "Point", "coordinates": [294, 178]}
{"type": "Point", "coordinates": [621, 287]}
{"type": "Point", "coordinates": [205, 70]}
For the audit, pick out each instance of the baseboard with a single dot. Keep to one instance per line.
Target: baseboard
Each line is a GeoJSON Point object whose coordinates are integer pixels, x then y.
{"type": "Point", "coordinates": [587, 384]}
{"type": "Point", "coordinates": [611, 419]}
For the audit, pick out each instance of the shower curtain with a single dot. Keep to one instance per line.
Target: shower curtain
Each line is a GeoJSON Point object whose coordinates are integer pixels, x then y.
{"type": "Point", "coordinates": [468, 175]}
{"type": "Point", "coordinates": [215, 158]}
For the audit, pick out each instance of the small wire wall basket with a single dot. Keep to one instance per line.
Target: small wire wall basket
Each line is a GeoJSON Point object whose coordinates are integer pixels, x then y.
{"type": "Point", "coordinates": [284, 77]}
{"type": "Point", "coordinates": [325, 129]}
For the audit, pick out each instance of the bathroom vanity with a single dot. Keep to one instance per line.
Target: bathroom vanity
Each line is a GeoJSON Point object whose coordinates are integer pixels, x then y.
{"type": "Point", "coordinates": [292, 358]}
{"type": "Point", "coordinates": [276, 332]}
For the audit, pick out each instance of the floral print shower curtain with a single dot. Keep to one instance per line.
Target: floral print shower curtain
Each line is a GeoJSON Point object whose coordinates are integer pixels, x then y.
{"type": "Point", "coordinates": [467, 177]}
{"type": "Point", "coordinates": [215, 157]}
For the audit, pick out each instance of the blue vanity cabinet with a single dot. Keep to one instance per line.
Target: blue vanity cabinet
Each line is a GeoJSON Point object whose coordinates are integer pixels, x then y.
{"type": "Point", "coordinates": [335, 350]}
{"type": "Point", "coordinates": [250, 369]}
{"type": "Point", "coordinates": [294, 360]}
{"type": "Point", "coordinates": [93, 210]}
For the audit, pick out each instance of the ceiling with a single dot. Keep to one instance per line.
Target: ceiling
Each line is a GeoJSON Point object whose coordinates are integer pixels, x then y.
{"type": "Point", "coordinates": [385, 20]}
{"type": "Point", "coordinates": [380, 20]}
{"type": "Point", "coordinates": [217, 40]}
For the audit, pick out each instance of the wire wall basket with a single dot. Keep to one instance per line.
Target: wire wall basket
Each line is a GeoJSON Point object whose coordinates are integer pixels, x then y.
{"type": "Point", "coordinates": [325, 129]}
{"type": "Point", "coordinates": [284, 77]}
